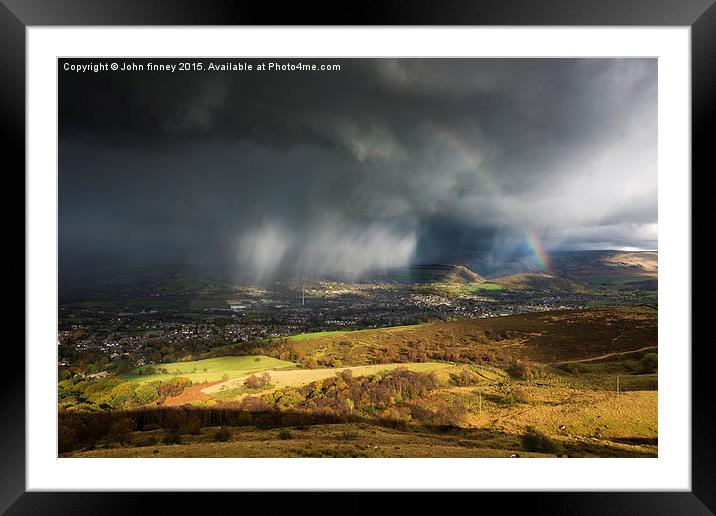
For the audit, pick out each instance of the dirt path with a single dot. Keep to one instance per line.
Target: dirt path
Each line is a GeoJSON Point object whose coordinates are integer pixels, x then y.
{"type": "Point", "coordinates": [600, 357]}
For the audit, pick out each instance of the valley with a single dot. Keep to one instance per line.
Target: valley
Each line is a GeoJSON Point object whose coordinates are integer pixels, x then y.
{"type": "Point", "coordinates": [528, 364]}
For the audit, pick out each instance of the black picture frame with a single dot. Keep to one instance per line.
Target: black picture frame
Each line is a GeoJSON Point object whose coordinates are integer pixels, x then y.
{"type": "Point", "coordinates": [16, 15]}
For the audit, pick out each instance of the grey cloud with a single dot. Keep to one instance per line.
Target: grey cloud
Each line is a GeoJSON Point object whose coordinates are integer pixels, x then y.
{"type": "Point", "coordinates": [383, 163]}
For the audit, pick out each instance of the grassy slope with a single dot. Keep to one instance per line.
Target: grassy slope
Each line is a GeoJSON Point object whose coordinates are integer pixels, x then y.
{"type": "Point", "coordinates": [544, 337]}
{"type": "Point", "coordinates": [539, 280]}
{"type": "Point", "coordinates": [343, 440]}
{"type": "Point", "coordinates": [499, 408]}
{"type": "Point", "coordinates": [484, 286]}
{"type": "Point", "coordinates": [298, 377]}
{"type": "Point", "coordinates": [456, 289]}
{"type": "Point", "coordinates": [584, 413]}
{"type": "Point", "coordinates": [596, 423]}
{"type": "Point", "coordinates": [211, 369]}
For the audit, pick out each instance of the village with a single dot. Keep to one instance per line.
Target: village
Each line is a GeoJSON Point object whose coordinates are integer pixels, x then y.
{"type": "Point", "coordinates": [142, 335]}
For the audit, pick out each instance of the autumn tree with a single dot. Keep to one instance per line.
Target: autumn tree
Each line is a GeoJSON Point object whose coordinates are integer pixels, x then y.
{"type": "Point", "coordinates": [120, 431]}
{"type": "Point", "coordinates": [257, 382]}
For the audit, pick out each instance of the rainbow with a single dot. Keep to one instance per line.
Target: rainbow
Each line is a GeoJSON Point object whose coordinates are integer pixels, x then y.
{"type": "Point", "coordinates": [537, 249]}
{"type": "Point", "coordinates": [468, 157]}
{"type": "Point", "coordinates": [465, 153]}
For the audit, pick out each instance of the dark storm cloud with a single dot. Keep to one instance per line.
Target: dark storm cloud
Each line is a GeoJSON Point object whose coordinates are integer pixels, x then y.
{"type": "Point", "coordinates": [381, 163]}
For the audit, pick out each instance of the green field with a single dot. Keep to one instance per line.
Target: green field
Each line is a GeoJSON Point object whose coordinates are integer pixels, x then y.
{"type": "Point", "coordinates": [483, 286]}
{"type": "Point", "coordinates": [638, 297]}
{"type": "Point", "coordinates": [306, 336]}
{"type": "Point", "coordinates": [210, 369]}
{"type": "Point", "coordinates": [458, 289]}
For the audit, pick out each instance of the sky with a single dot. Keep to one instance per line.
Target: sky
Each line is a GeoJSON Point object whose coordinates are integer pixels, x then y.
{"type": "Point", "coordinates": [383, 163]}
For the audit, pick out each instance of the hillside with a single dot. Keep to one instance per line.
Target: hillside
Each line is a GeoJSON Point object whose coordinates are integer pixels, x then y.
{"type": "Point", "coordinates": [609, 269]}
{"type": "Point", "coordinates": [435, 273]}
{"type": "Point", "coordinates": [543, 337]}
{"type": "Point", "coordinates": [541, 384]}
{"type": "Point", "coordinates": [461, 274]}
{"type": "Point", "coordinates": [539, 281]}
{"type": "Point", "coordinates": [646, 262]}
{"type": "Point", "coordinates": [596, 268]}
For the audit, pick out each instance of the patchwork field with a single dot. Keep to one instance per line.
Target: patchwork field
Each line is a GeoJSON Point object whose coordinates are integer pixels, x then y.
{"type": "Point", "coordinates": [578, 383]}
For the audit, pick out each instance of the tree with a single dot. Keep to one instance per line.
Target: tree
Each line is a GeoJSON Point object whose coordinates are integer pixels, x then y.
{"type": "Point", "coordinates": [122, 365]}
{"type": "Point", "coordinates": [193, 425]}
{"type": "Point", "coordinates": [67, 437]}
{"type": "Point", "coordinates": [257, 382]}
{"type": "Point", "coordinates": [122, 395]}
{"type": "Point", "coordinates": [535, 441]}
{"type": "Point", "coordinates": [522, 371]}
{"type": "Point", "coordinates": [464, 378]}
{"type": "Point", "coordinates": [146, 393]}
{"type": "Point", "coordinates": [121, 430]}
{"type": "Point", "coordinates": [172, 438]}
{"type": "Point", "coordinates": [223, 434]}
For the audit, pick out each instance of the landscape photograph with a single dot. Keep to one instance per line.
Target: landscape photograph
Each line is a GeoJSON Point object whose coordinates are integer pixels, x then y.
{"type": "Point", "coordinates": [357, 258]}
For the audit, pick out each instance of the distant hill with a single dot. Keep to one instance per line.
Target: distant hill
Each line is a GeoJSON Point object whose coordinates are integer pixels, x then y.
{"type": "Point", "coordinates": [612, 269]}
{"type": "Point", "coordinates": [539, 281]}
{"type": "Point", "coordinates": [646, 261]}
{"type": "Point", "coordinates": [184, 285]}
{"type": "Point", "coordinates": [438, 273]}
{"type": "Point", "coordinates": [160, 285]}
{"type": "Point", "coordinates": [461, 274]}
